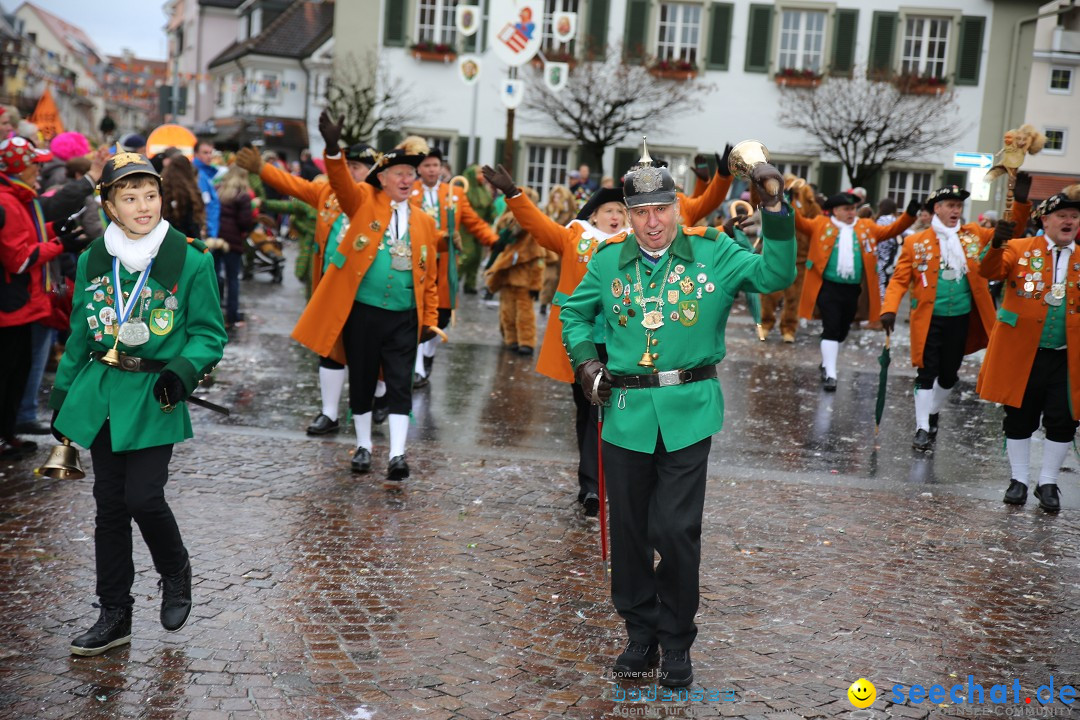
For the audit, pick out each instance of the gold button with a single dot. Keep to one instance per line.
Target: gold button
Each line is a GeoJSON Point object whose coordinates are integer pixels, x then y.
{"type": "Point", "coordinates": [655, 341]}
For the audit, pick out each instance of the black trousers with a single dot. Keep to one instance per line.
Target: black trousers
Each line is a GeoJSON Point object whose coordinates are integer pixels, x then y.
{"type": "Point", "coordinates": [838, 303]}
{"type": "Point", "coordinates": [1047, 397]}
{"type": "Point", "coordinates": [656, 501]}
{"type": "Point", "coordinates": [14, 370]}
{"type": "Point", "coordinates": [376, 338]}
{"type": "Point", "coordinates": [585, 420]}
{"type": "Point", "coordinates": [131, 486]}
{"type": "Point", "coordinates": [943, 352]}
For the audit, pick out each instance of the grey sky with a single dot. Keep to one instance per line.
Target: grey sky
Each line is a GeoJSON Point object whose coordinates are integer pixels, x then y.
{"type": "Point", "coordinates": [113, 24]}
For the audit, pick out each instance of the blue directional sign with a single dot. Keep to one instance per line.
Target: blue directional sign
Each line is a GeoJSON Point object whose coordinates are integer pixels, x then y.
{"type": "Point", "coordinates": [972, 160]}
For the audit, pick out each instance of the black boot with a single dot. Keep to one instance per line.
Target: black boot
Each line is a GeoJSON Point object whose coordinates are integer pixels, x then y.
{"type": "Point", "coordinates": [636, 660]}
{"type": "Point", "coordinates": [112, 629]}
{"type": "Point", "coordinates": [676, 669]}
{"type": "Point", "coordinates": [921, 441]}
{"type": "Point", "coordinates": [176, 598]}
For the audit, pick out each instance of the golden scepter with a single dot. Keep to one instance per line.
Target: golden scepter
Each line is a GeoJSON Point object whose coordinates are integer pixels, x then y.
{"type": "Point", "coordinates": [1020, 142]}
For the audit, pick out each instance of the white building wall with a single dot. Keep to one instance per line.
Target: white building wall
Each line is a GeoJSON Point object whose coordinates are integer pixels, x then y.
{"type": "Point", "coordinates": [207, 32]}
{"type": "Point", "coordinates": [1056, 48]}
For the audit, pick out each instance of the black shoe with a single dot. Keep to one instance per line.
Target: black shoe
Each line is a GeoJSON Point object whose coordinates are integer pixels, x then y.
{"type": "Point", "coordinates": [468, 290]}
{"type": "Point", "coordinates": [16, 449]}
{"type": "Point", "coordinates": [429, 362]}
{"type": "Point", "coordinates": [636, 660]}
{"type": "Point", "coordinates": [381, 410]}
{"type": "Point", "coordinates": [488, 295]}
{"type": "Point", "coordinates": [112, 629]}
{"type": "Point", "coordinates": [676, 669]}
{"type": "Point", "coordinates": [512, 347]}
{"type": "Point", "coordinates": [524, 350]}
{"type": "Point", "coordinates": [1049, 498]}
{"type": "Point", "coordinates": [933, 426]}
{"type": "Point", "coordinates": [419, 381]}
{"type": "Point", "coordinates": [33, 428]}
{"type": "Point", "coordinates": [591, 504]}
{"type": "Point", "coordinates": [1016, 494]}
{"type": "Point", "coordinates": [176, 598]}
{"type": "Point", "coordinates": [398, 469]}
{"type": "Point", "coordinates": [828, 384]}
{"type": "Point", "coordinates": [922, 441]}
{"type": "Point", "coordinates": [361, 460]}
{"type": "Point", "coordinates": [323, 425]}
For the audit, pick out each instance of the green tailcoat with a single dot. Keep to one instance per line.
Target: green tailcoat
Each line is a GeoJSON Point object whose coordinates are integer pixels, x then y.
{"type": "Point", "coordinates": [705, 273]}
{"type": "Point", "coordinates": [183, 313]}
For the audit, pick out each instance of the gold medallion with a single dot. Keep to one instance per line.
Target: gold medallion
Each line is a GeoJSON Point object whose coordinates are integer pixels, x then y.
{"type": "Point", "coordinates": [360, 242]}
{"type": "Point", "coordinates": [686, 285]}
{"type": "Point", "coordinates": [616, 287]}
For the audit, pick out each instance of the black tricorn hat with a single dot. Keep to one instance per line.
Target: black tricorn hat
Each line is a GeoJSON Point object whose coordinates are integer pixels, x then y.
{"type": "Point", "coordinates": [840, 199]}
{"type": "Point", "coordinates": [598, 198]}
{"type": "Point", "coordinates": [1060, 201]}
{"type": "Point", "coordinates": [361, 152]}
{"type": "Point", "coordinates": [388, 159]}
{"type": "Point", "coordinates": [949, 192]}
{"type": "Point", "coordinates": [122, 165]}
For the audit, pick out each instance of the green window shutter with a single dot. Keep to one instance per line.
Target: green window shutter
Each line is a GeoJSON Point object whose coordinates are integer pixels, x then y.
{"type": "Point", "coordinates": [625, 158]}
{"type": "Point", "coordinates": [845, 28]}
{"type": "Point", "coordinates": [637, 26]}
{"type": "Point", "coordinates": [387, 139]}
{"type": "Point", "coordinates": [394, 34]}
{"type": "Point", "coordinates": [719, 36]}
{"type": "Point", "coordinates": [830, 174]}
{"type": "Point", "coordinates": [463, 159]}
{"type": "Point", "coordinates": [759, 38]}
{"type": "Point", "coordinates": [969, 54]}
{"type": "Point", "coordinates": [882, 44]}
{"type": "Point", "coordinates": [500, 145]}
{"type": "Point", "coordinates": [596, 37]}
{"type": "Point", "coordinates": [954, 177]}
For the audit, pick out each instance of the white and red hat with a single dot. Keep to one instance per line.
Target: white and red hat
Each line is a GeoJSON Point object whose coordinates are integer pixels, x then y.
{"type": "Point", "coordinates": [17, 153]}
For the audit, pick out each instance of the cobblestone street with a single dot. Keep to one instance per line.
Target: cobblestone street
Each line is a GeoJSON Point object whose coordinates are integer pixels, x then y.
{"type": "Point", "coordinates": [478, 592]}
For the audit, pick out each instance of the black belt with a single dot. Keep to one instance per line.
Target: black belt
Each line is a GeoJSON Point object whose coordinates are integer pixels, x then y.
{"type": "Point", "coordinates": [664, 378]}
{"type": "Point", "coordinates": [132, 363]}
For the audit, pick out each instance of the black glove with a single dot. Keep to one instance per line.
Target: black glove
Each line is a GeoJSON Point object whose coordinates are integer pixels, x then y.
{"type": "Point", "coordinates": [169, 390]}
{"type": "Point", "coordinates": [722, 162]}
{"type": "Point", "coordinates": [1022, 186]}
{"type": "Point", "coordinates": [52, 428]}
{"type": "Point", "coordinates": [331, 131]}
{"type": "Point", "coordinates": [1003, 232]}
{"type": "Point", "coordinates": [701, 167]}
{"type": "Point", "coordinates": [586, 375]}
{"type": "Point", "coordinates": [427, 333]}
{"type": "Point", "coordinates": [888, 321]}
{"type": "Point", "coordinates": [763, 176]}
{"type": "Point", "coordinates": [501, 180]}
{"type": "Point", "coordinates": [913, 208]}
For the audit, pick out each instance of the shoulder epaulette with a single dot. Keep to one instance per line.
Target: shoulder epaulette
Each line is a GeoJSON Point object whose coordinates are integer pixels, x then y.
{"type": "Point", "coordinates": [197, 244]}
{"type": "Point", "coordinates": [705, 231]}
{"type": "Point", "coordinates": [612, 241]}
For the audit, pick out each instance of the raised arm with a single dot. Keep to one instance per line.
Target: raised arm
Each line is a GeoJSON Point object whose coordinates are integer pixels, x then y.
{"type": "Point", "coordinates": [550, 234]}
{"type": "Point", "coordinates": [694, 209]}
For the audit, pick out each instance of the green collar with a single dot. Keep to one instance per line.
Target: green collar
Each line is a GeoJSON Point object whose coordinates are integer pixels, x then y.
{"type": "Point", "coordinates": [680, 247]}
{"type": "Point", "coordinates": [168, 264]}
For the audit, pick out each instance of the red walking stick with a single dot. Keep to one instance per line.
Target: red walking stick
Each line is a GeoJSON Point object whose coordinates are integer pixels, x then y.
{"type": "Point", "coordinates": [600, 479]}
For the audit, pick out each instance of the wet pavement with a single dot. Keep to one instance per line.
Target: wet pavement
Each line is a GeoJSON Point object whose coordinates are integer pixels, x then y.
{"type": "Point", "coordinates": [829, 554]}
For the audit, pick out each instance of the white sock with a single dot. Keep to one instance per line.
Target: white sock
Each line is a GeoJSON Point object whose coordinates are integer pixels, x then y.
{"type": "Point", "coordinates": [399, 430]}
{"type": "Point", "coordinates": [380, 389]}
{"type": "Point", "coordinates": [430, 347]}
{"type": "Point", "coordinates": [829, 350]}
{"type": "Point", "coordinates": [362, 423]}
{"type": "Point", "coordinates": [1020, 458]}
{"type": "Point", "coordinates": [941, 396]}
{"type": "Point", "coordinates": [923, 400]}
{"type": "Point", "coordinates": [1053, 458]}
{"type": "Point", "coordinates": [418, 366]}
{"type": "Point", "coordinates": [331, 381]}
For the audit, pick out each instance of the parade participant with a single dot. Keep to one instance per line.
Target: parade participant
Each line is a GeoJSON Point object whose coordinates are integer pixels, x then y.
{"type": "Point", "coordinates": [842, 260]}
{"type": "Point", "coordinates": [561, 208]}
{"type": "Point", "coordinates": [204, 154]}
{"type": "Point", "coordinates": [1032, 363]}
{"type": "Point", "coordinates": [145, 328]}
{"type": "Point", "coordinates": [702, 204]}
{"type": "Point", "coordinates": [602, 217]}
{"type": "Point", "coordinates": [378, 295]}
{"type": "Point", "coordinates": [952, 312]}
{"type": "Point", "coordinates": [447, 207]}
{"type": "Point", "coordinates": [483, 204]}
{"type": "Point", "coordinates": [516, 275]}
{"type": "Point", "coordinates": [330, 223]}
{"type": "Point", "coordinates": [802, 198]}
{"type": "Point", "coordinates": [663, 296]}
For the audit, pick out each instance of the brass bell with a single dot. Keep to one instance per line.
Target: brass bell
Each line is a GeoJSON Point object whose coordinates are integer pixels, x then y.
{"type": "Point", "coordinates": [646, 360]}
{"type": "Point", "coordinates": [746, 156]}
{"type": "Point", "coordinates": [112, 358]}
{"type": "Point", "coordinates": [63, 463]}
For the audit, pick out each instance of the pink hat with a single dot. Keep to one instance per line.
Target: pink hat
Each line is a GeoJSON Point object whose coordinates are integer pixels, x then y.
{"type": "Point", "coordinates": [69, 145]}
{"type": "Point", "coordinates": [16, 154]}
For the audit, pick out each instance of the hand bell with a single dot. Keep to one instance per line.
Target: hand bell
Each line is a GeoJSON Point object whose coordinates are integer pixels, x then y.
{"type": "Point", "coordinates": [63, 463]}
{"type": "Point", "coordinates": [746, 156]}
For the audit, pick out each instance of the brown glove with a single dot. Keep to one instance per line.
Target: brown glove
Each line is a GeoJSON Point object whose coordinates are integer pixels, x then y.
{"type": "Point", "coordinates": [769, 184]}
{"type": "Point", "coordinates": [1003, 233]}
{"type": "Point", "coordinates": [1022, 186]}
{"type": "Point", "coordinates": [888, 321]}
{"type": "Point", "coordinates": [331, 131]}
{"type": "Point", "coordinates": [500, 179]}
{"type": "Point", "coordinates": [249, 159]}
{"type": "Point", "coordinates": [587, 374]}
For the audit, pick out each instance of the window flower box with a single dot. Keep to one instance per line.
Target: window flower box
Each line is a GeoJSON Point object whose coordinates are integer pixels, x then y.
{"type": "Point", "coordinates": [790, 77]}
{"type": "Point", "coordinates": [433, 52]}
{"type": "Point", "coordinates": [916, 85]}
{"type": "Point", "coordinates": [673, 70]}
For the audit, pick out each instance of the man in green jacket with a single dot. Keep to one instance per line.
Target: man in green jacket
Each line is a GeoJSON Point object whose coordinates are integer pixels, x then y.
{"type": "Point", "coordinates": [663, 295]}
{"type": "Point", "coordinates": [145, 328]}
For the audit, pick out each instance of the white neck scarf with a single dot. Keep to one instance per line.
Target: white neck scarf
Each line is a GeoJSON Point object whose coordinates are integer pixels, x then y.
{"type": "Point", "coordinates": [135, 255]}
{"type": "Point", "coordinates": [588, 230]}
{"type": "Point", "coordinates": [845, 262]}
{"type": "Point", "coordinates": [952, 253]}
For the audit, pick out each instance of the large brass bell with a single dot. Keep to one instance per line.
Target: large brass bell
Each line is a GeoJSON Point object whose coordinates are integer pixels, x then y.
{"type": "Point", "coordinates": [112, 357]}
{"type": "Point", "coordinates": [63, 463]}
{"type": "Point", "coordinates": [746, 156]}
{"type": "Point", "coordinates": [646, 360]}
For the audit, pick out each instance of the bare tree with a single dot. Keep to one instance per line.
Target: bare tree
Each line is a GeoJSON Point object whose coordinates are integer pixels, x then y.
{"type": "Point", "coordinates": [369, 97]}
{"type": "Point", "coordinates": [607, 99]}
{"type": "Point", "coordinates": [870, 123]}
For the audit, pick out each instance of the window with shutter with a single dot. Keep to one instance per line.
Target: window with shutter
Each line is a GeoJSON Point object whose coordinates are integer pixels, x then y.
{"type": "Point", "coordinates": [925, 47]}
{"type": "Point", "coordinates": [830, 175]}
{"type": "Point", "coordinates": [625, 158]}
{"type": "Point", "coordinates": [596, 39]}
{"type": "Point", "coordinates": [758, 38]}
{"type": "Point", "coordinates": [845, 29]}
{"type": "Point", "coordinates": [462, 159]}
{"type": "Point", "coordinates": [958, 178]}
{"type": "Point", "coordinates": [394, 30]}
{"type": "Point", "coordinates": [719, 36]}
{"type": "Point", "coordinates": [882, 45]}
{"type": "Point", "coordinates": [969, 54]}
{"type": "Point", "coordinates": [637, 18]}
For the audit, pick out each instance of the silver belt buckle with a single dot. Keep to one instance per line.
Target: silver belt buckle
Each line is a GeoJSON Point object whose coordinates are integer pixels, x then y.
{"type": "Point", "coordinates": [670, 377]}
{"type": "Point", "coordinates": [129, 363]}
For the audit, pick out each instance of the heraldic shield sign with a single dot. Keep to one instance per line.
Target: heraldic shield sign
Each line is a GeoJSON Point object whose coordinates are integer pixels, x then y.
{"type": "Point", "coordinates": [564, 26]}
{"type": "Point", "coordinates": [512, 92]}
{"type": "Point", "coordinates": [556, 75]}
{"type": "Point", "coordinates": [469, 68]}
{"type": "Point", "coordinates": [515, 29]}
{"type": "Point", "coordinates": [467, 19]}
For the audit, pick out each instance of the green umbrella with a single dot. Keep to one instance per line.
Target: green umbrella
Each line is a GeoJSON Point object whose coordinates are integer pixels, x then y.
{"type": "Point", "coordinates": [884, 359]}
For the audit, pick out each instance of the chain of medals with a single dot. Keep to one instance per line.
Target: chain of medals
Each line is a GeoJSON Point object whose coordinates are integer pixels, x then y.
{"type": "Point", "coordinates": [652, 319]}
{"type": "Point", "coordinates": [1057, 289]}
{"type": "Point", "coordinates": [132, 332]}
{"type": "Point", "coordinates": [400, 251]}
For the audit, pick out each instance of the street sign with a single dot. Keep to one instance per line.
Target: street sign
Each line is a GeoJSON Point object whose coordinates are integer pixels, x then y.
{"type": "Point", "coordinates": [972, 160]}
{"type": "Point", "coordinates": [980, 190]}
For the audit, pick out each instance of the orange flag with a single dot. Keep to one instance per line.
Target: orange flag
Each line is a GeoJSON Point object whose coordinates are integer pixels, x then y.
{"type": "Point", "coordinates": [47, 117]}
